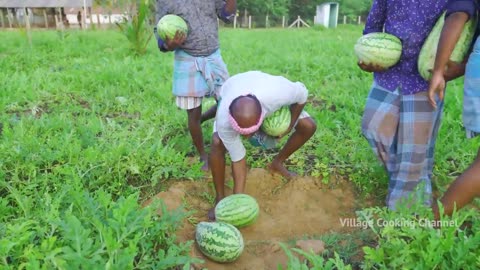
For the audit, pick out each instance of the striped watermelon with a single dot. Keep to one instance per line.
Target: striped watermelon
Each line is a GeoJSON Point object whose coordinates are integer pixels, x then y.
{"type": "Point", "coordinates": [426, 59]}
{"type": "Point", "coordinates": [240, 210]}
{"type": "Point", "coordinates": [277, 123]}
{"type": "Point", "coordinates": [219, 241]}
{"type": "Point", "coordinates": [380, 49]}
{"type": "Point", "coordinates": [169, 24]}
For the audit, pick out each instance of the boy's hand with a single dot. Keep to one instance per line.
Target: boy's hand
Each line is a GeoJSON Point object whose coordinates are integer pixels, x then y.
{"type": "Point", "coordinates": [172, 44]}
{"type": "Point", "coordinates": [437, 86]}
{"type": "Point", "coordinates": [370, 67]}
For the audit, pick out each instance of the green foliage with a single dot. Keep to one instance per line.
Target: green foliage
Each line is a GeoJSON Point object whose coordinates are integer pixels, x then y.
{"type": "Point", "coordinates": [411, 241]}
{"type": "Point", "coordinates": [75, 229]}
{"type": "Point", "coordinates": [303, 8]}
{"type": "Point", "coordinates": [275, 8]}
{"type": "Point", "coordinates": [311, 261]}
{"type": "Point", "coordinates": [354, 8]}
{"type": "Point", "coordinates": [87, 130]}
{"type": "Point", "coordinates": [136, 29]}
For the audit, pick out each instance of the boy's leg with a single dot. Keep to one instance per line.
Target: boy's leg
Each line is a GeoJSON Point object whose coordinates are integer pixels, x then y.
{"type": "Point", "coordinates": [462, 191]}
{"type": "Point", "coordinates": [416, 138]}
{"type": "Point", "coordinates": [380, 123]}
{"type": "Point", "coordinates": [217, 165]}
{"type": "Point", "coordinates": [304, 130]}
{"type": "Point", "coordinates": [209, 114]}
{"type": "Point", "coordinates": [193, 105]}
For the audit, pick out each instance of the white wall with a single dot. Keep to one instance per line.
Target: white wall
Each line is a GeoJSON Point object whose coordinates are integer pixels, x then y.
{"type": "Point", "coordinates": [323, 15]}
{"type": "Point", "coordinates": [72, 18]}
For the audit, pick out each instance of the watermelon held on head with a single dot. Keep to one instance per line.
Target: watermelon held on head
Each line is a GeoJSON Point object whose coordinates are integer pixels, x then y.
{"type": "Point", "coordinates": [219, 241]}
{"type": "Point", "coordinates": [277, 123]}
{"type": "Point", "coordinates": [240, 210]}
{"type": "Point", "coordinates": [428, 53]}
{"type": "Point", "coordinates": [381, 49]}
{"type": "Point", "coordinates": [169, 24]}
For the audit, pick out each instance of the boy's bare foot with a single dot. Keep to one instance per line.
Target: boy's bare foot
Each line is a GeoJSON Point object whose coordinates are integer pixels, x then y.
{"type": "Point", "coordinates": [205, 166]}
{"type": "Point", "coordinates": [277, 167]}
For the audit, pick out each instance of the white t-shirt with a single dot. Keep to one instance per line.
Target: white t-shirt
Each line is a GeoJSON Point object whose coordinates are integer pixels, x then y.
{"type": "Point", "coordinates": [273, 92]}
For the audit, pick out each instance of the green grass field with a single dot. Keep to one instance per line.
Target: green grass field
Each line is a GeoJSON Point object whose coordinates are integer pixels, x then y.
{"type": "Point", "coordinates": [89, 130]}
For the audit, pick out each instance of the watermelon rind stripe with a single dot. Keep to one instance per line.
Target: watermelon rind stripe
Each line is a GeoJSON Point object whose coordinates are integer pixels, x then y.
{"type": "Point", "coordinates": [382, 49]}
{"type": "Point", "coordinates": [219, 241]}
{"type": "Point", "coordinates": [239, 210]}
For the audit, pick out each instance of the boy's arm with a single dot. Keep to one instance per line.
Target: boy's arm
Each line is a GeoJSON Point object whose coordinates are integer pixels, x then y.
{"type": "Point", "coordinates": [458, 14]}
{"type": "Point", "coordinates": [239, 174]}
{"type": "Point", "coordinates": [300, 100]}
{"type": "Point", "coordinates": [226, 9]}
{"type": "Point", "coordinates": [376, 17]}
{"type": "Point", "coordinates": [235, 148]}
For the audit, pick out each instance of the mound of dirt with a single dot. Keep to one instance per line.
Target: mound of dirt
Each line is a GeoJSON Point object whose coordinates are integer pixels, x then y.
{"type": "Point", "coordinates": [289, 210]}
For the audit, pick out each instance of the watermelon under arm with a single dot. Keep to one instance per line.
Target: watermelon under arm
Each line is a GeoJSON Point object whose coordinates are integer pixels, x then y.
{"type": "Point", "coordinates": [378, 51]}
{"type": "Point", "coordinates": [426, 59]}
{"type": "Point", "coordinates": [449, 37]}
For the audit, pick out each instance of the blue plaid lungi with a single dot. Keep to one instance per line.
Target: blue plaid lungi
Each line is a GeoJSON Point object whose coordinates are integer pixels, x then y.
{"type": "Point", "coordinates": [471, 93]}
{"type": "Point", "coordinates": [198, 76]}
{"type": "Point", "coordinates": [402, 129]}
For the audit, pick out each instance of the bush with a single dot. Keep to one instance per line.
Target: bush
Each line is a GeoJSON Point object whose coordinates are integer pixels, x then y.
{"type": "Point", "coordinates": [411, 241]}
{"type": "Point", "coordinates": [73, 229]}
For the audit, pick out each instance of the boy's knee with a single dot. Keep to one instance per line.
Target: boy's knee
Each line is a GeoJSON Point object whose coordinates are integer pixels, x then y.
{"type": "Point", "coordinates": [217, 142]}
{"type": "Point", "coordinates": [311, 125]}
{"type": "Point", "coordinates": [306, 126]}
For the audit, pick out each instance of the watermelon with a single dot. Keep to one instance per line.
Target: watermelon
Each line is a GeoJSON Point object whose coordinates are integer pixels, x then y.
{"type": "Point", "coordinates": [169, 24]}
{"type": "Point", "coordinates": [240, 210]}
{"type": "Point", "coordinates": [426, 59]}
{"type": "Point", "coordinates": [381, 49]}
{"type": "Point", "coordinates": [277, 123]}
{"type": "Point", "coordinates": [219, 241]}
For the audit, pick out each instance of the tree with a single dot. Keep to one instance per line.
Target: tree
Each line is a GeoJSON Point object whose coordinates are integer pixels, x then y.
{"type": "Point", "coordinates": [276, 8]}
{"type": "Point", "coordinates": [354, 8]}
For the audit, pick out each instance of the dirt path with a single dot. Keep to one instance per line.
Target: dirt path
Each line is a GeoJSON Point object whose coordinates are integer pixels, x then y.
{"type": "Point", "coordinates": [288, 210]}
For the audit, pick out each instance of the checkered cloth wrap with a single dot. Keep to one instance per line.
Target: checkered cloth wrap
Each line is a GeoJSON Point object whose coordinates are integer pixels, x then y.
{"type": "Point", "coordinates": [402, 129]}
{"type": "Point", "coordinates": [471, 93]}
{"type": "Point", "coordinates": [198, 76]}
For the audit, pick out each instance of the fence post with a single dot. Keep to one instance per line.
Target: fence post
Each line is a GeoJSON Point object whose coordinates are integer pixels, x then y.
{"type": "Point", "coordinates": [249, 22]}
{"type": "Point", "coordinates": [235, 22]}
{"type": "Point", "coordinates": [344, 19]}
{"type": "Point", "coordinates": [98, 21]}
{"type": "Point", "coordinates": [1, 19]}
{"type": "Point", "coordinates": [298, 21]}
{"type": "Point", "coordinates": [9, 18]}
{"type": "Point", "coordinates": [266, 21]}
{"type": "Point", "coordinates": [315, 19]}
{"type": "Point", "coordinates": [359, 19]}
{"type": "Point", "coordinates": [283, 21]}
{"type": "Point", "coordinates": [27, 26]}
{"type": "Point", "coordinates": [45, 18]}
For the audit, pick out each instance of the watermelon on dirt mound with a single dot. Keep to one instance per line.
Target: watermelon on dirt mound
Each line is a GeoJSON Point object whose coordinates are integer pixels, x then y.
{"type": "Point", "coordinates": [169, 24]}
{"type": "Point", "coordinates": [219, 241]}
{"type": "Point", "coordinates": [240, 210]}
{"type": "Point", "coordinates": [381, 49]}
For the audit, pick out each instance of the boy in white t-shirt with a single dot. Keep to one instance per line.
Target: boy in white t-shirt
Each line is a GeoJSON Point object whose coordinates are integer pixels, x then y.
{"type": "Point", "coordinates": [245, 100]}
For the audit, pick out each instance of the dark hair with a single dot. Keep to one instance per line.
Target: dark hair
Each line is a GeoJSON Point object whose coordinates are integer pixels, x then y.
{"type": "Point", "coordinates": [234, 101]}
